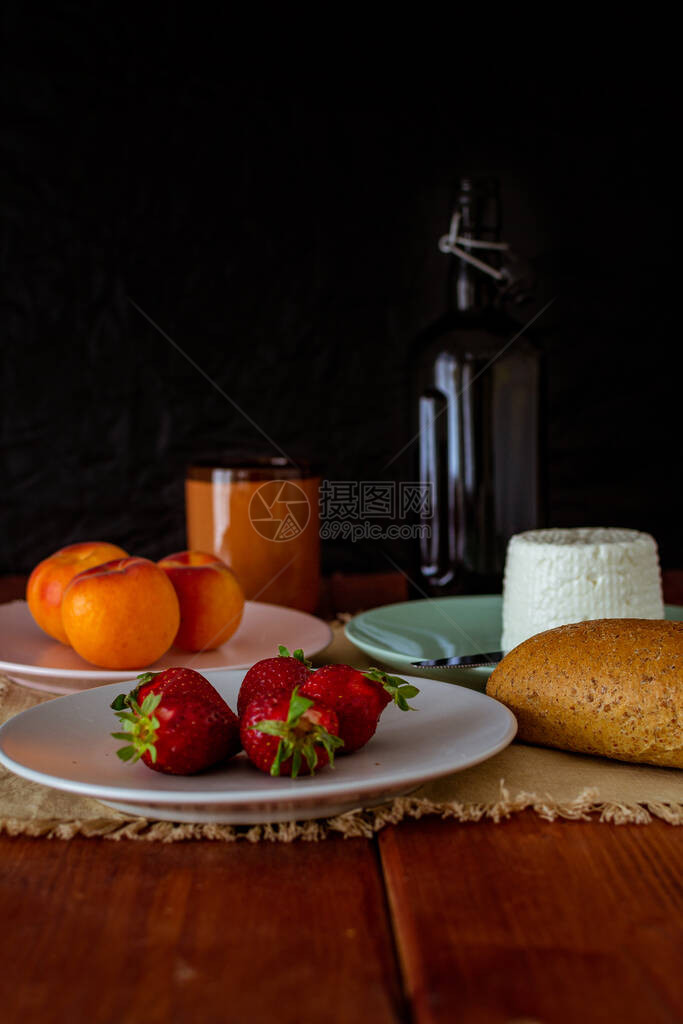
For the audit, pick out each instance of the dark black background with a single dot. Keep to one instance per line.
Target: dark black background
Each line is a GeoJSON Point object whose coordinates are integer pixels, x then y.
{"type": "Point", "coordinates": [279, 221]}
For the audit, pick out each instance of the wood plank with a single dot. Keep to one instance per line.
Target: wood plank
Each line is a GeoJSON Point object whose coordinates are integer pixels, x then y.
{"type": "Point", "coordinates": [534, 921]}
{"type": "Point", "coordinates": [126, 932]}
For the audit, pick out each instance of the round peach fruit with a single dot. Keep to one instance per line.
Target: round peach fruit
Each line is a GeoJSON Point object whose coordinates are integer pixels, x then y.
{"type": "Point", "coordinates": [211, 599]}
{"type": "Point", "coordinates": [123, 614]}
{"type": "Point", "coordinates": [50, 577]}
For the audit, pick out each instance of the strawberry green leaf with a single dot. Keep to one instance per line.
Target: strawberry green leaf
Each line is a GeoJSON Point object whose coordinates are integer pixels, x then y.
{"type": "Point", "coordinates": [145, 677]}
{"type": "Point", "coordinates": [126, 716]}
{"type": "Point", "coordinates": [282, 753]}
{"type": "Point", "coordinates": [126, 753]}
{"type": "Point", "coordinates": [397, 688]}
{"type": "Point", "coordinates": [329, 742]}
{"type": "Point", "coordinates": [124, 699]}
{"type": "Point", "coordinates": [150, 703]}
{"type": "Point", "coordinates": [139, 728]}
{"type": "Point", "coordinates": [408, 690]}
{"type": "Point", "coordinates": [297, 706]}
{"type": "Point", "coordinates": [298, 742]}
{"type": "Point", "coordinates": [298, 654]}
{"type": "Point", "coordinates": [141, 680]}
{"type": "Point", "coordinates": [311, 756]}
{"type": "Point", "coordinates": [271, 726]}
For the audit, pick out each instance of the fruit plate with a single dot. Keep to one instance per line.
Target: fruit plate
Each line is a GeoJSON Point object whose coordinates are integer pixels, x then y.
{"type": "Point", "coordinates": [441, 627]}
{"type": "Point", "coordinates": [65, 743]}
{"type": "Point", "coordinates": [34, 659]}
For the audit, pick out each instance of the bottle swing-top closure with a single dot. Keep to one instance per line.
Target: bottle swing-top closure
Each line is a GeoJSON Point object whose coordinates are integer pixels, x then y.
{"type": "Point", "coordinates": [514, 285]}
{"type": "Point", "coordinates": [452, 242]}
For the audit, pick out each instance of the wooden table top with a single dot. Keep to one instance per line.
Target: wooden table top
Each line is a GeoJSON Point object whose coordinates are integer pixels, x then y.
{"type": "Point", "coordinates": [430, 921]}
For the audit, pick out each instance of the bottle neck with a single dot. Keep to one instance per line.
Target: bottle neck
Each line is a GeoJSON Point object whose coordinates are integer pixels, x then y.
{"type": "Point", "coordinates": [472, 290]}
{"type": "Point", "coordinates": [469, 290]}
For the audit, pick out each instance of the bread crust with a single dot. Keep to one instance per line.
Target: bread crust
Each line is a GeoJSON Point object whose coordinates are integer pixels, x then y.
{"type": "Point", "coordinates": [612, 687]}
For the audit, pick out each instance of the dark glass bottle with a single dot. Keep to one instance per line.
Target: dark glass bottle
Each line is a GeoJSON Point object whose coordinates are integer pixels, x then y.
{"type": "Point", "coordinates": [477, 395]}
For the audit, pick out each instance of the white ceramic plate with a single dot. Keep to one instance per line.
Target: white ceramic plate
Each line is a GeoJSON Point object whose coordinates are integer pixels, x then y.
{"type": "Point", "coordinates": [65, 743]}
{"type": "Point", "coordinates": [34, 659]}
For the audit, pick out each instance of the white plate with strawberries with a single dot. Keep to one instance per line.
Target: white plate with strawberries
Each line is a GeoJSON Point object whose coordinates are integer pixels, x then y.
{"type": "Point", "coordinates": [36, 660]}
{"type": "Point", "coordinates": [67, 743]}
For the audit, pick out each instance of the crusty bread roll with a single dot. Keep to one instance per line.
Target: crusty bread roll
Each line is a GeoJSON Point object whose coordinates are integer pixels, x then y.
{"type": "Point", "coordinates": [612, 687]}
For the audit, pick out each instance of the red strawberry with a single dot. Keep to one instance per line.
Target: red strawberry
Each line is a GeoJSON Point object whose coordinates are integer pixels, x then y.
{"type": "Point", "coordinates": [273, 677]}
{"type": "Point", "coordinates": [172, 682]}
{"type": "Point", "coordinates": [280, 733]}
{"type": "Point", "coordinates": [358, 698]}
{"type": "Point", "coordinates": [178, 733]}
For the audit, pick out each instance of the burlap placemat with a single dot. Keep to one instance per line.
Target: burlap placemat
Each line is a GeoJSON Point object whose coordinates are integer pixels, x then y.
{"type": "Point", "coordinates": [551, 783]}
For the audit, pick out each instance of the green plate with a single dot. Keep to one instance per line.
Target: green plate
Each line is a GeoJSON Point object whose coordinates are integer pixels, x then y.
{"type": "Point", "coordinates": [443, 627]}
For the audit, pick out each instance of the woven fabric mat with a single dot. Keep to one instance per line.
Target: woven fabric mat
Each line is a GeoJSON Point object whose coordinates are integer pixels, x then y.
{"type": "Point", "coordinates": [552, 783]}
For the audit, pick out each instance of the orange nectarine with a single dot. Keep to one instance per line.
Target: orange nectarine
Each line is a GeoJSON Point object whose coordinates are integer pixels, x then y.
{"type": "Point", "coordinates": [50, 577]}
{"type": "Point", "coordinates": [211, 599]}
{"type": "Point", "coordinates": [123, 614]}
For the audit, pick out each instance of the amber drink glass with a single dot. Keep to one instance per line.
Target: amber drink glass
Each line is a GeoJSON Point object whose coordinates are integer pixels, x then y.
{"type": "Point", "coordinates": [261, 517]}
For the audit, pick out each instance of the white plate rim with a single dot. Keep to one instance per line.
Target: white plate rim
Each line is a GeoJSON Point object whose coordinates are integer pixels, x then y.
{"type": "Point", "coordinates": [116, 675]}
{"type": "Point", "coordinates": [314, 788]}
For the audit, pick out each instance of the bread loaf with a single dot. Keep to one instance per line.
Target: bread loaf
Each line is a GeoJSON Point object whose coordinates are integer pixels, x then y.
{"type": "Point", "coordinates": [612, 687]}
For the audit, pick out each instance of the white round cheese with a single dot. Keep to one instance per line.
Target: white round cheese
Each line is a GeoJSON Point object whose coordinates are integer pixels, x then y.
{"type": "Point", "coordinates": [555, 577]}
